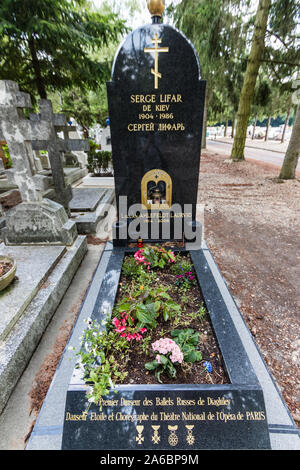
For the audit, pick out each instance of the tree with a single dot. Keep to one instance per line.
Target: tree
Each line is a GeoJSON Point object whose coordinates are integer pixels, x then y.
{"type": "Point", "coordinates": [46, 44]}
{"type": "Point", "coordinates": [247, 94]}
{"type": "Point", "coordinates": [288, 170]}
{"type": "Point", "coordinates": [215, 28]}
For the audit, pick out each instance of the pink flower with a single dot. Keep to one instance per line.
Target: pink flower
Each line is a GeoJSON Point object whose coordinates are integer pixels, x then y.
{"type": "Point", "coordinates": [143, 330]}
{"type": "Point", "coordinates": [138, 337]}
{"type": "Point", "coordinates": [167, 345]}
{"type": "Point", "coordinates": [115, 322]}
{"type": "Point", "coordinates": [120, 329]}
{"type": "Point", "coordinates": [158, 358]}
{"type": "Point", "coordinates": [139, 257]}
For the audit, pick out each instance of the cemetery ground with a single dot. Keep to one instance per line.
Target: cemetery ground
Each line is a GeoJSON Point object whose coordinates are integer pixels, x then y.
{"type": "Point", "coordinates": [251, 227]}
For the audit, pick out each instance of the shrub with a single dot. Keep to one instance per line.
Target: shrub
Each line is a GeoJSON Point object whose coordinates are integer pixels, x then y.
{"type": "Point", "coordinates": [98, 161]}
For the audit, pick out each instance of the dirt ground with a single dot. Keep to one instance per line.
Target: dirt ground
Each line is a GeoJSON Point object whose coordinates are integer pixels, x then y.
{"type": "Point", "coordinates": [252, 228]}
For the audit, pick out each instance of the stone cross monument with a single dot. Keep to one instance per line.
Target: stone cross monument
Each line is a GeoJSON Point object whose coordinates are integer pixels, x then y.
{"type": "Point", "coordinates": [55, 147]}
{"type": "Point", "coordinates": [34, 221]}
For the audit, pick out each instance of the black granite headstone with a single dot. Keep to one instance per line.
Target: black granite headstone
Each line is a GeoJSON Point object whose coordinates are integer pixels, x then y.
{"type": "Point", "coordinates": [156, 101]}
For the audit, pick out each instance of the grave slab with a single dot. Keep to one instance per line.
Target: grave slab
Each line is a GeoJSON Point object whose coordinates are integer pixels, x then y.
{"type": "Point", "coordinates": [283, 433]}
{"type": "Point", "coordinates": [103, 181]}
{"type": "Point", "coordinates": [19, 345]}
{"type": "Point", "coordinates": [88, 221]}
{"type": "Point", "coordinates": [86, 199]}
{"type": "Point", "coordinates": [33, 267]}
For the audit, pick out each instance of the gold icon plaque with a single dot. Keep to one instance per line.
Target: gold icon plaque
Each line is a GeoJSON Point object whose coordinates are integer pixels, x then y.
{"type": "Point", "coordinates": [156, 199]}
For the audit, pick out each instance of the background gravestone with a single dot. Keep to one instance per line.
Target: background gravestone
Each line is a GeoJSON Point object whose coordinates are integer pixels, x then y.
{"type": "Point", "coordinates": [34, 221]}
{"type": "Point", "coordinates": [156, 100]}
{"type": "Point", "coordinates": [56, 147]}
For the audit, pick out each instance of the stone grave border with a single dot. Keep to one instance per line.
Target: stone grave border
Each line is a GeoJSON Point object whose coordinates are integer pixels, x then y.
{"type": "Point", "coordinates": [284, 435]}
{"type": "Point", "coordinates": [21, 342]}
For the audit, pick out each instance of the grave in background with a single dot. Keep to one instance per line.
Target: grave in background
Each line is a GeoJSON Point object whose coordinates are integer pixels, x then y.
{"type": "Point", "coordinates": [156, 101]}
{"type": "Point", "coordinates": [38, 235]}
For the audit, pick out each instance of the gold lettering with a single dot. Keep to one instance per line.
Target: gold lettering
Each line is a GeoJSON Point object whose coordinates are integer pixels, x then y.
{"type": "Point", "coordinates": [142, 98]}
{"type": "Point", "coordinates": [137, 127]}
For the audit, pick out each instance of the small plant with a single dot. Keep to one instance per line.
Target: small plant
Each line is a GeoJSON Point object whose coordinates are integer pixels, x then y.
{"type": "Point", "coordinates": [169, 354]}
{"type": "Point", "coordinates": [155, 257]}
{"type": "Point", "coordinates": [101, 369]}
{"type": "Point", "coordinates": [188, 341]}
{"type": "Point", "coordinates": [185, 281]}
{"type": "Point", "coordinates": [98, 161]}
{"type": "Point", "coordinates": [181, 267]}
{"type": "Point", "coordinates": [145, 306]}
{"type": "Point", "coordinates": [198, 315]}
{"type": "Point", "coordinates": [127, 329]}
{"type": "Point", "coordinates": [131, 268]}
{"type": "Point", "coordinates": [7, 158]}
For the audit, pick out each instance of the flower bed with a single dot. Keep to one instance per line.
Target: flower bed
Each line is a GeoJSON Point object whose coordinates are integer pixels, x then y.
{"type": "Point", "coordinates": [159, 331]}
{"type": "Point", "coordinates": [5, 267]}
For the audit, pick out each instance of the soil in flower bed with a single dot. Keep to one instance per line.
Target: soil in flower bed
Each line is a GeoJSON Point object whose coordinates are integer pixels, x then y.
{"type": "Point", "coordinates": [190, 301]}
{"type": "Point", "coordinates": [5, 267]}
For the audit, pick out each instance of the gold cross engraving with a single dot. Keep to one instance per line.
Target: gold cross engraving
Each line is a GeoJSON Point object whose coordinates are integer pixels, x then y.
{"type": "Point", "coordinates": [156, 50]}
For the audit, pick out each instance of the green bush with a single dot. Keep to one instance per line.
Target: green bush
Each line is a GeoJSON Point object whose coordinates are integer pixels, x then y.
{"type": "Point", "coordinates": [8, 163]}
{"type": "Point", "coordinates": [98, 161]}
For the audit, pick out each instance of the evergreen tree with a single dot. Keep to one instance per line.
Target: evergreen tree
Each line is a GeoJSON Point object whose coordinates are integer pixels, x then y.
{"type": "Point", "coordinates": [46, 44]}
{"type": "Point", "coordinates": [216, 29]}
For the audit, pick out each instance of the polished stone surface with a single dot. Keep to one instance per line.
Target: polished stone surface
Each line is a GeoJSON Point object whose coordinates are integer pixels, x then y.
{"type": "Point", "coordinates": [156, 128]}
{"type": "Point", "coordinates": [169, 418]}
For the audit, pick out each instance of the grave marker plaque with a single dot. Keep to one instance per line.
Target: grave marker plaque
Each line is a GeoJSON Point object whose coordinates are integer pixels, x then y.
{"type": "Point", "coordinates": [168, 418]}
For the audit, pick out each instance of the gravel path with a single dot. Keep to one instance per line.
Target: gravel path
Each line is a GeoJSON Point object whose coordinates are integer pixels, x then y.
{"type": "Point", "coordinates": [252, 227]}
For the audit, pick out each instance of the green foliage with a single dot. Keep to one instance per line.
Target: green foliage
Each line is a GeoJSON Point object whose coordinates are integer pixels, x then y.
{"type": "Point", "coordinates": [96, 356]}
{"type": "Point", "coordinates": [8, 162]}
{"type": "Point", "coordinates": [188, 342]}
{"type": "Point", "coordinates": [147, 305]}
{"type": "Point", "coordinates": [164, 367]}
{"type": "Point", "coordinates": [131, 268]}
{"type": "Point", "coordinates": [47, 44]}
{"type": "Point", "coordinates": [158, 257]}
{"type": "Point", "coordinates": [181, 266]}
{"type": "Point", "coordinates": [98, 161]}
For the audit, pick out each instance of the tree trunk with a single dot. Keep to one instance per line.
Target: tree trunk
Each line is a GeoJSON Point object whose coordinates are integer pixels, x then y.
{"type": "Point", "coordinates": [286, 123]}
{"type": "Point", "coordinates": [232, 128]}
{"type": "Point", "coordinates": [37, 71]}
{"type": "Point", "coordinates": [247, 93]}
{"type": "Point", "coordinates": [288, 170]}
{"type": "Point", "coordinates": [268, 128]}
{"type": "Point", "coordinates": [226, 127]}
{"type": "Point", "coordinates": [254, 128]}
